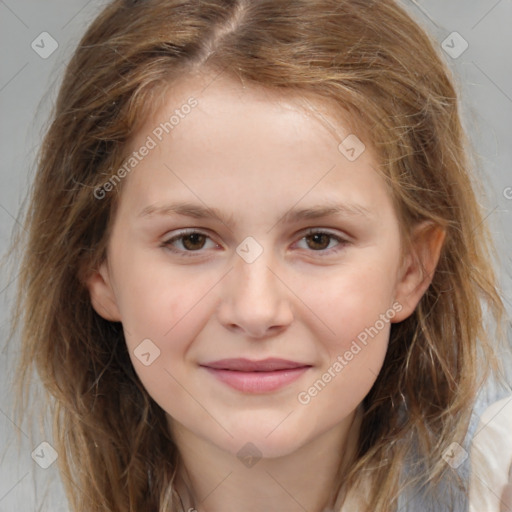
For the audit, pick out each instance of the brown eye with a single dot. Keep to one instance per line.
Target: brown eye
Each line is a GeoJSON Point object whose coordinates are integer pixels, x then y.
{"type": "Point", "coordinates": [322, 242]}
{"type": "Point", "coordinates": [318, 241]}
{"type": "Point", "coordinates": [194, 241]}
{"type": "Point", "coordinates": [189, 243]}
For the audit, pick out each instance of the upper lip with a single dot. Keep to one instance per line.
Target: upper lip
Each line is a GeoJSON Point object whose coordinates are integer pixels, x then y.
{"type": "Point", "coordinates": [247, 365]}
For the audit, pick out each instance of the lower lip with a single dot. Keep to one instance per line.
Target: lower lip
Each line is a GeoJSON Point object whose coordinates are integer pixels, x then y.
{"type": "Point", "coordinates": [258, 382]}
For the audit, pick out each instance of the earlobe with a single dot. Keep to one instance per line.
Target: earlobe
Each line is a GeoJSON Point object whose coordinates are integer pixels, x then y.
{"type": "Point", "coordinates": [102, 295]}
{"type": "Point", "coordinates": [419, 267]}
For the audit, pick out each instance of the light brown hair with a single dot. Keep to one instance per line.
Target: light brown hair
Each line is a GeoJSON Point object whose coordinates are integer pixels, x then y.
{"type": "Point", "coordinates": [375, 62]}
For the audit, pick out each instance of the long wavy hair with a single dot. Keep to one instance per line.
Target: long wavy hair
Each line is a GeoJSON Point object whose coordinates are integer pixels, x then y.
{"type": "Point", "coordinates": [367, 58]}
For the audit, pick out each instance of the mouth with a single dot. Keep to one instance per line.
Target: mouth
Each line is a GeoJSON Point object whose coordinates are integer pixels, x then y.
{"type": "Point", "coordinates": [246, 365]}
{"type": "Point", "coordinates": [256, 376]}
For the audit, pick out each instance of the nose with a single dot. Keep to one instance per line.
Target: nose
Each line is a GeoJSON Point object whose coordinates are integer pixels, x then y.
{"type": "Point", "coordinates": [255, 302]}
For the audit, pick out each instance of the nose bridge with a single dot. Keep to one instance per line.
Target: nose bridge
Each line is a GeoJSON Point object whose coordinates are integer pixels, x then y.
{"type": "Point", "coordinates": [255, 282]}
{"type": "Point", "coordinates": [255, 300]}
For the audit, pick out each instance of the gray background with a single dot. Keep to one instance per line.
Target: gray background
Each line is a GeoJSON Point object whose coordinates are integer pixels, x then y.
{"type": "Point", "coordinates": [28, 85]}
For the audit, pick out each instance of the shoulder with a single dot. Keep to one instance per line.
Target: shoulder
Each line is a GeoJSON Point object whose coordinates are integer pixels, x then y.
{"type": "Point", "coordinates": [491, 460]}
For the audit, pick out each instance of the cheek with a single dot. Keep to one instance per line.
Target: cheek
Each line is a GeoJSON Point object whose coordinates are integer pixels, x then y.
{"type": "Point", "coordinates": [159, 332]}
{"type": "Point", "coordinates": [353, 355]}
{"type": "Point", "coordinates": [343, 384]}
{"type": "Point", "coordinates": [162, 314]}
{"type": "Point", "coordinates": [356, 299]}
{"type": "Point", "coordinates": [156, 299]}
{"type": "Point", "coordinates": [357, 305]}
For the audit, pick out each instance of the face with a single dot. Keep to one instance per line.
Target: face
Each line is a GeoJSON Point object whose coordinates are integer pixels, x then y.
{"type": "Point", "coordinates": [244, 234]}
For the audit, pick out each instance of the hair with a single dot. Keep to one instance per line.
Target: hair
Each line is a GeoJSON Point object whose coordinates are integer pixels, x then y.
{"type": "Point", "coordinates": [368, 59]}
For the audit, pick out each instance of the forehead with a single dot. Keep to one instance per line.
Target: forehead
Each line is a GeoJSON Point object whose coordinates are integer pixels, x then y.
{"type": "Point", "coordinates": [215, 135]}
{"type": "Point", "coordinates": [218, 93]}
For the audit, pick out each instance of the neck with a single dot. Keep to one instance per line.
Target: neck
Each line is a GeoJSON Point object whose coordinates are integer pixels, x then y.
{"type": "Point", "coordinates": [212, 480]}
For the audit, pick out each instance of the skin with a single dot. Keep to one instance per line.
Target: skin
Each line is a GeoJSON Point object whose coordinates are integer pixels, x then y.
{"type": "Point", "coordinates": [254, 156]}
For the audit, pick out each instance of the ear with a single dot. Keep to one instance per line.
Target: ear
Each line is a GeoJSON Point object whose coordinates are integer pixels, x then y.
{"type": "Point", "coordinates": [102, 295]}
{"type": "Point", "coordinates": [418, 267]}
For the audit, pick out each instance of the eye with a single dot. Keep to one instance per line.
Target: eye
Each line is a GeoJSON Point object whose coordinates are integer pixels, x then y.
{"type": "Point", "coordinates": [322, 241]}
{"type": "Point", "coordinates": [189, 241]}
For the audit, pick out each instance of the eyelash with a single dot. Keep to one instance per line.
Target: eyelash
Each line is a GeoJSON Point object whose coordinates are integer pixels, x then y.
{"type": "Point", "coordinates": [342, 242]}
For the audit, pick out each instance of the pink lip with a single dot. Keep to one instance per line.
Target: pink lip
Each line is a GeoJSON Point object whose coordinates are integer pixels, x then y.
{"type": "Point", "coordinates": [256, 376]}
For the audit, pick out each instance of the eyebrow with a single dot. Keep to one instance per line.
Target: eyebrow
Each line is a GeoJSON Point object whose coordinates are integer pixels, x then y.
{"type": "Point", "coordinates": [293, 215]}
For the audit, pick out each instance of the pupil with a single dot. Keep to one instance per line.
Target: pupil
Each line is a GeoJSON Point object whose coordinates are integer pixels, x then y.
{"type": "Point", "coordinates": [194, 241]}
{"type": "Point", "coordinates": [320, 241]}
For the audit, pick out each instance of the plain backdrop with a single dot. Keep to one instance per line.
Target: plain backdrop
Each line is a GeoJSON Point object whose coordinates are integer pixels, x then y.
{"type": "Point", "coordinates": [29, 78]}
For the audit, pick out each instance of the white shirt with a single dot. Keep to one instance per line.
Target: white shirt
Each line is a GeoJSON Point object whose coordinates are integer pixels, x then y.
{"type": "Point", "coordinates": [491, 460]}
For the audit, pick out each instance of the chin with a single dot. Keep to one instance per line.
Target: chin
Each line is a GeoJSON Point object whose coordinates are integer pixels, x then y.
{"type": "Point", "coordinates": [274, 445]}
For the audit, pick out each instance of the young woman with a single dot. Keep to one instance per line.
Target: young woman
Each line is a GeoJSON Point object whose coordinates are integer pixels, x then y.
{"type": "Point", "coordinates": [256, 270]}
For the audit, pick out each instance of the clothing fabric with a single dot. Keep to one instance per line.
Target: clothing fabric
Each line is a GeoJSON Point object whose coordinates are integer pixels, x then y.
{"type": "Point", "coordinates": [491, 460]}
{"type": "Point", "coordinates": [484, 462]}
